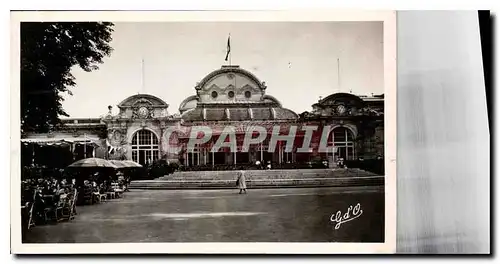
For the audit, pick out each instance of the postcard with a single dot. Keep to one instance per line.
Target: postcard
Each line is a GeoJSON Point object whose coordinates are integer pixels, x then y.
{"type": "Point", "coordinates": [223, 132]}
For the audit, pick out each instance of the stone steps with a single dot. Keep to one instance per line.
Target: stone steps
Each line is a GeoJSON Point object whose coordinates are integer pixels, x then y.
{"type": "Point", "coordinates": [254, 184]}
{"type": "Point", "coordinates": [267, 174]}
{"type": "Point", "coordinates": [263, 179]}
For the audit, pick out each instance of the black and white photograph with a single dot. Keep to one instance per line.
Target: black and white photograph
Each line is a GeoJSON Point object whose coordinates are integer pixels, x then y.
{"type": "Point", "coordinates": [154, 129]}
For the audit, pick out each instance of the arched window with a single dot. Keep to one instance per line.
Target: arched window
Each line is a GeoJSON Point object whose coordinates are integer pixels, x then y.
{"type": "Point", "coordinates": [145, 147]}
{"type": "Point", "coordinates": [343, 139]}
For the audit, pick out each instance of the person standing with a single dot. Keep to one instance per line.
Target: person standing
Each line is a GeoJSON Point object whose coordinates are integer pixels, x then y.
{"type": "Point", "coordinates": [242, 185]}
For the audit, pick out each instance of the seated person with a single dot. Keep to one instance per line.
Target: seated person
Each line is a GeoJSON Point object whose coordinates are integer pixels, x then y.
{"type": "Point", "coordinates": [102, 188]}
{"type": "Point", "coordinates": [62, 199]}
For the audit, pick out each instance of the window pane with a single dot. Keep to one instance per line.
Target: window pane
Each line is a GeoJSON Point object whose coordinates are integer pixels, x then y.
{"type": "Point", "coordinates": [339, 134]}
{"type": "Point", "coordinates": [134, 156]}
{"type": "Point", "coordinates": [145, 147]}
{"type": "Point", "coordinates": [341, 152]}
{"type": "Point", "coordinates": [144, 137]}
{"type": "Point", "coordinates": [350, 153]}
{"type": "Point", "coordinates": [141, 158]}
{"type": "Point", "coordinates": [349, 135]}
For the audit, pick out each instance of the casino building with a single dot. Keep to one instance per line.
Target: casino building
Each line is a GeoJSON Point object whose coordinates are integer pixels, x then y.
{"type": "Point", "coordinates": [227, 97]}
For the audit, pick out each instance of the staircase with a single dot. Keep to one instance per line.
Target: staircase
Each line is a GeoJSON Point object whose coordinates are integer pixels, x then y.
{"type": "Point", "coordinates": [263, 179]}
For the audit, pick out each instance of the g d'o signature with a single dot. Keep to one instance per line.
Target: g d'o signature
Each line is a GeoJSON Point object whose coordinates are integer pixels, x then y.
{"type": "Point", "coordinates": [351, 214]}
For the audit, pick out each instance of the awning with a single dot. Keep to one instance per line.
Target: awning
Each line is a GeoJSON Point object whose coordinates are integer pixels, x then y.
{"type": "Point", "coordinates": [57, 142]}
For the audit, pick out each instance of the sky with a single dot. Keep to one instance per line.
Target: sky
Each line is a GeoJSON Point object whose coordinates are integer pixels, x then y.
{"type": "Point", "coordinates": [297, 60]}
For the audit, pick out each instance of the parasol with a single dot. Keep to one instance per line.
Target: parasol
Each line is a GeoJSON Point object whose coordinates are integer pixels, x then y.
{"type": "Point", "coordinates": [120, 164]}
{"type": "Point", "coordinates": [132, 164]}
{"type": "Point", "coordinates": [92, 163]}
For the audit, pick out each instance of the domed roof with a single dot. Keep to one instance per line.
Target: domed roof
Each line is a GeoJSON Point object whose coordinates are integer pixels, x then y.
{"type": "Point", "coordinates": [230, 83]}
{"type": "Point", "coordinates": [340, 97]}
{"type": "Point", "coordinates": [188, 103]}
{"type": "Point", "coordinates": [232, 94]}
{"type": "Point", "coordinates": [226, 69]}
{"type": "Point", "coordinates": [143, 98]}
{"type": "Point", "coordinates": [271, 99]}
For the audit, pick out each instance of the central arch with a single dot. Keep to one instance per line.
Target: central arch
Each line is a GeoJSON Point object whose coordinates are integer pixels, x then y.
{"type": "Point", "coordinates": [343, 140]}
{"type": "Point", "coordinates": [145, 147]}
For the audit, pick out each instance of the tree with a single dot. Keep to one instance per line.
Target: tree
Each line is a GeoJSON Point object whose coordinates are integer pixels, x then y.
{"type": "Point", "coordinates": [48, 53]}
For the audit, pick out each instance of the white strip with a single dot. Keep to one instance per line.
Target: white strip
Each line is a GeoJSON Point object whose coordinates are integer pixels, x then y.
{"type": "Point", "coordinates": [299, 194]}
{"type": "Point", "coordinates": [207, 197]}
{"type": "Point", "coordinates": [293, 194]}
{"type": "Point", "coordinates": [203, 215]}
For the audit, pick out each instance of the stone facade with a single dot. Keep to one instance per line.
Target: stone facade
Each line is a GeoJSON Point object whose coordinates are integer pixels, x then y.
{"type": "Point", "coordinates": [229, 96]}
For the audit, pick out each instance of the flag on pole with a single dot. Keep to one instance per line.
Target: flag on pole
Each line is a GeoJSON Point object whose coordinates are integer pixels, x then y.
{"type": "Point", "coordinates": [228, 47]}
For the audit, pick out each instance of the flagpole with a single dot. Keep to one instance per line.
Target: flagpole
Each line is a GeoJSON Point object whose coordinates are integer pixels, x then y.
{"type": "Point", "coordinates": [338, 74]}
{"type": "Point", "coordinates": [142, 75]}
{"type": "Point", "coordinates": [230, 49]}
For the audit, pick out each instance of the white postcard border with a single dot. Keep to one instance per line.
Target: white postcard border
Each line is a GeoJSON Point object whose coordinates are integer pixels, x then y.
{"type": "Point", "coordinates": [389, 20]}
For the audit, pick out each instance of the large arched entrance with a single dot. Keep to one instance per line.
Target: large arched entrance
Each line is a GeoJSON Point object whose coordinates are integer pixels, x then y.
{"type": "Point", "coordinates": [343, 140]}
{"type": "Point", "coordinates": [145, 147]}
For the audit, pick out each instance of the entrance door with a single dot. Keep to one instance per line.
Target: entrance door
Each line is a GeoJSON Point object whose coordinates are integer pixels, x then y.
{"type": "Point", "coordinates": [343, 139]}
{"type": "Point", "coordinates": [341, 152]}
{"type": "Point", "coordinates": [145, 147]}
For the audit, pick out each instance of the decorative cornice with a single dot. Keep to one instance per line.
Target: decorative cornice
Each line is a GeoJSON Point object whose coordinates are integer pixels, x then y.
{"type": "Point", "coordinates": [143, 96]}
{"type": "Point", "coordinates": [230, 69]}
{"type": "Point", "coordinates": [142, 101]}
{"type": "Point", "coordinates": [248, 87]}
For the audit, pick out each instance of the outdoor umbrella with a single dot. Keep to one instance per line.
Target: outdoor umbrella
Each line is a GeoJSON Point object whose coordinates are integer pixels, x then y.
{"type": "Point", "coordinates": [119, 163]}
{"type": "Point", "coordinates": [91, 168]}
{"type": "Point", "coordinates": [132, 164]}
{"type": "Point", "coordinates": [92, 163]}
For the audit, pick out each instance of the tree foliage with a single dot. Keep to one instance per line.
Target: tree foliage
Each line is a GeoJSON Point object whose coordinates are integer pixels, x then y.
{"type": "Point", "coordinates": [48, 53]}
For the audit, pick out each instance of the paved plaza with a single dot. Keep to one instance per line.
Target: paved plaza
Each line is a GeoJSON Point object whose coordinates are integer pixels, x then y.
{"type": "Point", "coordinates": [261, 215]}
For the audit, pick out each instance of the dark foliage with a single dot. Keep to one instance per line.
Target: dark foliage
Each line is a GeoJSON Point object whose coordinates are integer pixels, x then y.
{"type": "Point", "coordinates": [161, 168]}
{"type": "Point", "coordinates": [317, 164]}
{"type": "Point", "coordinates": [373, 165]}
{"type": "Point", "coordinates": [48, 53]}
